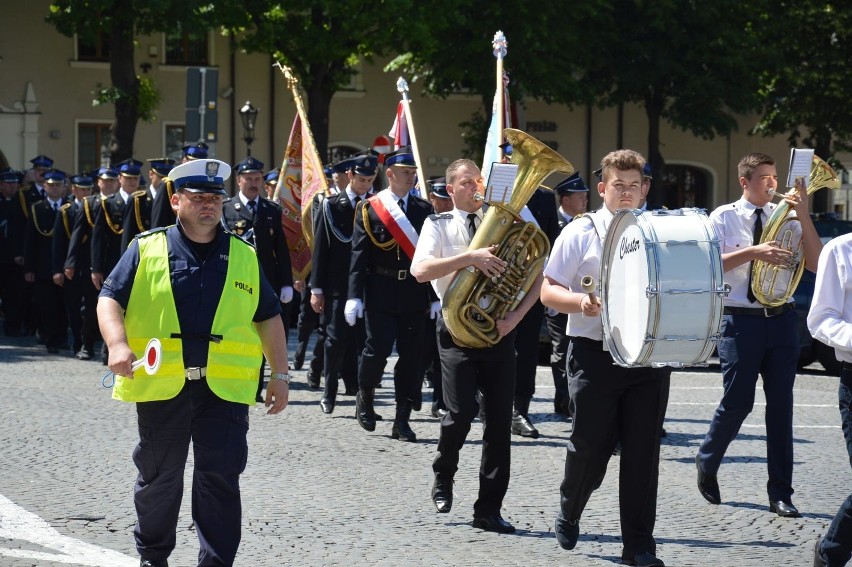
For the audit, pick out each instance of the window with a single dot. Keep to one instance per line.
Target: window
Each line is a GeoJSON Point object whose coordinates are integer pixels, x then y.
{"type": "Point", "coordinates": [92, 146]}
{"type": "Point", "coordinates": [95, 49]}
{"type": "Point", "coordinates": [175, 141]}
{"type": "Point", "coordinates": [186, 47]}
{"type": "Point", "coordinates": [684, 186]}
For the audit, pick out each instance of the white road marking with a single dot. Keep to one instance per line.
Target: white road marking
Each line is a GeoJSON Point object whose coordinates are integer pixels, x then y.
{"type": "Point", "coordinates": [18, 524]}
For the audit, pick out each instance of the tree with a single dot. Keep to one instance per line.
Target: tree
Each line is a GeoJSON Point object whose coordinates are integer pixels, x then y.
{"type": "Point", "coordinates": [122, 21]}
{"type": "Point", "coordinates": [322, 41]}
{"type": "Point", "coordinates": [689, 63]}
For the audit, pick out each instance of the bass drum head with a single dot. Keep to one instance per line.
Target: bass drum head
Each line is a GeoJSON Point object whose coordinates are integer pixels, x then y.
{"type": "Point", "coordinates": [624, 281]}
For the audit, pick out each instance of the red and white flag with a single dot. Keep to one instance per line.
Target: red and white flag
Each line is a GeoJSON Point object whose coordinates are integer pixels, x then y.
{"type": "Point", "coordinates": [399, 130]}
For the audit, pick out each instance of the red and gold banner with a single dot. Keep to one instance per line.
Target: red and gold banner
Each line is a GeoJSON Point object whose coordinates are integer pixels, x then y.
{"type": "Point", "coordinates": [288, 193]}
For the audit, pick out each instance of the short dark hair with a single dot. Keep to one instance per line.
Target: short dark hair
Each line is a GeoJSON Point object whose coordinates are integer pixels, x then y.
{"type": "Point", "coordinates": [751, 162]}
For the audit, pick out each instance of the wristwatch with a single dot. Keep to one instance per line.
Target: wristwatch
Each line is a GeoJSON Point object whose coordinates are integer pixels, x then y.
{"type": "Point", "coordinates": [280, 376]}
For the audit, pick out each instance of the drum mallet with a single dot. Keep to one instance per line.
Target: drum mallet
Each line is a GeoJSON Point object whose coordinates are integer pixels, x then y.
{"type": "Point", "coordinates": [588, 284]}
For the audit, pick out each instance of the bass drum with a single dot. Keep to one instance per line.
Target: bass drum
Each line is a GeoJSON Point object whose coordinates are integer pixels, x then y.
{"type": "Point", "coordinates": [661, 287]}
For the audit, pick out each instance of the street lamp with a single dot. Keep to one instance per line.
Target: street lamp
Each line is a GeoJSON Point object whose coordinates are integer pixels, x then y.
{"type": "Point", "coordinates": [248, 115]}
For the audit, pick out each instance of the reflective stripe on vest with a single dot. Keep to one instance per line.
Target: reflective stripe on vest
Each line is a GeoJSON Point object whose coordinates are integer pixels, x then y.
{"type": "Point", "coordinates": [232, 364]}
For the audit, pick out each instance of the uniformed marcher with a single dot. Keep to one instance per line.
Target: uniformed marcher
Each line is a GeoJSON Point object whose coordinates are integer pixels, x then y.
{"type": "Point", "coordinates": [81, 316]}
{"type": "Point", "coordinates": [334, 219]}
{"type": "Point", "coordinates": [11, 273]}
{"type": "Point", "coordinates": [38, 270]}
{"type": "Point", "coordinates": [382, 289]}
{"type": "Point", "coordinates": [270, 181]}
{"type": "Point", "coordinates": [109, 222]}
{"type": "Point", "coordinates": [140, 209]}
{"type": "Point", "coordinates": [610, 402]}
{"type": "Point", "coordinates": [258, 221]}
{"type": "Point", "coordinates": [573, 197]}
{"type": "Point", "coordinates": [442, 250]}
{"type": "Point", "coordinates": [212, 343]}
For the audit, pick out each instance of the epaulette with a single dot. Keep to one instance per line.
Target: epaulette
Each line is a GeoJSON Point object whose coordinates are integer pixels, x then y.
{"type": "Point", "coordinates": [439, 216]}
{"type": "Point", "coordinates": [152, 231]}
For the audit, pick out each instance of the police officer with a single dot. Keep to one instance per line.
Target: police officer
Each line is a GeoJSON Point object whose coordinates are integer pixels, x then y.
{"type": "Point", "coordinates": [81, 315]}
{"type": "Point", "coordinates": [78, 261]}
{"type": "Point", "coordinates": [37, 262]}
{"type": "Point", "coordinates": [573, 198]}
{"type": "Point", "coordinates": [140, 208]}
{"type": "Point", "coordinates": [380, 283]}
{"type": "Point", "coordinates": [212, 344]}
{"type": "Point", "coordinates": [258, 220]}
{"type": "Point", "coordinates": [442, 250]}
{"type": "Point", "coordinates": [334, 219]}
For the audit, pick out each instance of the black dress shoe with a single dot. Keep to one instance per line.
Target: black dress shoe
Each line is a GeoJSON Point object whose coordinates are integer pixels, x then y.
{"type": "Point", "coordinates": [439, 412]}
{"type": "Point", "coordinates": [313, 380]}
{"type": "Point", "coordinates": [644, 559]}
{"type": "Point", "coordinates": [522, 426]}
{"type": "Point", "coordinates": [327, 404]}
{"type": "Point", "coordinates": [150, 563]}
{"type": "Point", "coordinates": [364, 410]}
{"type": "Point", "coordinates": [493, 523]}
{"type": "Point", "coordinates": [783, 509]}
{"type": "Point", "coordinates": [708, 486]}
{"type": "Point", "coordinates": [402, 431]}
{"type": "Point", "coordinates": [567, 532]}
{"type": "Point", "coordinates": [442, 495]}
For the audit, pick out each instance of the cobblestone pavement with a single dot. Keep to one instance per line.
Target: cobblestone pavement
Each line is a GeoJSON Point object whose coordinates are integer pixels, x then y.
{"type": "Point", "coordinates": [319, 490]}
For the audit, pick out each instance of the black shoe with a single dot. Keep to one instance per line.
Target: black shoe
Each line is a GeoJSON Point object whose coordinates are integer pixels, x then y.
{"type": "Point", "coordinates": [442, 495]}
{"type": "Point", "coordinates": [644, 559]}
{"type": "Point", "coordinates": [350, 392]}
{"type": "Point", "coordinates": [417, 404]}
{"type": "Point", "coordinates": [402, 431]}
{"type": "Point", "coordinates": [299, 356]}
{"type": "Point", "coordinates": [438, 412]}
{"type": "Point", "coordinates": [567, 532]}
{"type": "Point", "coordinates": [364, 410]}
{"type": "Point", "coordinates": [84, 354]}
{"type": "Point", "coordinates": [52, 350]}
{"type": "Point", "coordinates": [708, 486]}
{"type": "Point", "coordinates": [818, 560]}
{"type": "Point", "coordinates": [313, 380]}
{"type": "Point", "coordinates": [783, 509]}
{"type": "Point", "coordinates": [493, 523]}
{"type": "Point", "coordinates": [522, 426]}
{"type": "Point", "coordinates": [149, 563]}
{"type": "Point", "coordinates": [327, 404]}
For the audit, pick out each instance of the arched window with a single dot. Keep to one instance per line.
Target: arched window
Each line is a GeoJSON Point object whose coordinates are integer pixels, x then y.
{"type": "Point", "coordinates": [684, 186]}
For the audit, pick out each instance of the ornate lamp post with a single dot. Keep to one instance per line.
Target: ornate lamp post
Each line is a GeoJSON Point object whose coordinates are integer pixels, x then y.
{"type": "Point", "coordinates": [248, 116]}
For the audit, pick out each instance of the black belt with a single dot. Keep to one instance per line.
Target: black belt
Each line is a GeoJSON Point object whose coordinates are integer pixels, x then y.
{"type": "Point", "coordinates": [387, 272]}
{"type": "Point", "coordinates": [198, 337]}
{"type": "Point", "coordinates": [761, 311]}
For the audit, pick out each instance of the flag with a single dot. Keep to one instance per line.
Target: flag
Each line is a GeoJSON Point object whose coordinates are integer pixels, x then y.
{"type": "Point", "coordinates": [289, 194]}
{"type": "Point", "coordinates": [399, 130]}
{"type": "Point", "coordinates": [495, 138]}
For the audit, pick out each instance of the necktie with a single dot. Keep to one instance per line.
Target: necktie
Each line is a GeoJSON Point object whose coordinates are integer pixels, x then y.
{"type": "Point", "coordinates": [402, 204]}
{"type": "Point", "coordinates": [471, 224]}
{"type": "Point", "coordinates": [55, 206]}
{"type": "Point", "coordinates": [357, 200]}
{"type": "Point", "coordinates": [758, 232]}
{"type": "Point", "coordinates": [251, 206]}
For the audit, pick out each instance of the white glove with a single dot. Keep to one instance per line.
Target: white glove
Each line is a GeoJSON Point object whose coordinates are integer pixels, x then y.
{"type": "Point", "coordinates": [286, 295]}
{"type": "Point", "coordinates": [353, 309]}
{"type": "Point", "coordinates": [434, 309]}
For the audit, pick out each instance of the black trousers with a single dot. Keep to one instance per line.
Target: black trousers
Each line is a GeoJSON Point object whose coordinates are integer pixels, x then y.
{"type": "Point", "coordinates": [556, 325]}
{"type": "Point", "coordinates": [13, 296]}
{"type": "Point", "coordinates": [612, 403]}
{"type": "Point", "coordinates": [526, 345]}
{"type": "Point", "coordinates": [285, 319]}
{"type": "Point", "coordinates": [464, 371]}
{"type": "Point", "coordinates": [385, 328]}
{"type": "Point", "coordinates": [217, 430]}
{"type": "Point", "coordinates": [343, 342]}
{"type": "Point", "coordinates": [50, 308]}
{"type": "Point", "coordinates": [432, 363]}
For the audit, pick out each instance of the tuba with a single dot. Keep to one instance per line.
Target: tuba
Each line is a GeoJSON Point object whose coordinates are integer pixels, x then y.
{"type": "Point", "coordinates": [773, 285]}
{"type": "Point", "coordinates": [474, 302]}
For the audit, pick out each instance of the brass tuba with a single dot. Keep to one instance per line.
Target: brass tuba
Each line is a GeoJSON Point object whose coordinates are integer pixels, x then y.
{"type": "Point", "coordinates": [773, 285]}
{"type": "Point", "coordinates": [474, 302]}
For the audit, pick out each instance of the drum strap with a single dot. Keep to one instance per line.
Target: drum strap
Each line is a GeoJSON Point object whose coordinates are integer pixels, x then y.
{"type": "Point", "coordinates": [598, 224]}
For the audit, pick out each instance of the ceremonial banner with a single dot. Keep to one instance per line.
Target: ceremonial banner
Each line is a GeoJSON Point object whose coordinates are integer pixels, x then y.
{"type": "Point", "coordinates": [399, 130]}
{"type": "Point", "coordinates": [288, 193]}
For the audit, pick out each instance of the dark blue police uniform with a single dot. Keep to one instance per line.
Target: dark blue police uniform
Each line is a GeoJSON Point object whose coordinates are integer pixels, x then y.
{"type": "Point", "coordinates": [216, 427]}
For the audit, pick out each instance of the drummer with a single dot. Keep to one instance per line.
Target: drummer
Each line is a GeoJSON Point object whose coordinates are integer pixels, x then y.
{"type": "Point", "coordinates": [610, 402]}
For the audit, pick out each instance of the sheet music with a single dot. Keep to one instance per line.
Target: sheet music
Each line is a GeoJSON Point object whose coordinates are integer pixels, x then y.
{"type": "Point", "coordinates": [800, 165]}
{"type": "Point", "coordinates": [500, 182]}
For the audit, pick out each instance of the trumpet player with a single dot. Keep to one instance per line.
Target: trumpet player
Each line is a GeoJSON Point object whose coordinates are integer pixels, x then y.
{"type": "Point", "coordinates": [755, 338]}
{"type": "Point", "coordinates": [610, 402]}
{"type": "Point", "coordinates": [441, 251]}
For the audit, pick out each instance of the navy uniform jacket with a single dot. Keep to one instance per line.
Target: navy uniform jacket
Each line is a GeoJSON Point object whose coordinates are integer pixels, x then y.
{"type": "Point", "coordinates": [542, 205]}
{"type": "Point", "coordinates": [331, 255]}
{"type": "Point", "coordinates": [106, 234]}
{"type": "Point", "coordinates": [24, 200]}
{"type": "Point", "coordinates": [137, 216]}
{"type": "Point", "coordinates": [197, 285]}
{"type": "Point", "coordinates": [38, 240]}
{"type": "Point", "coordinates": [7, 236]}
{"type": "Point", "coordinates": [162, 213]}
{"type": "Point", "coordinates": [79, 255]}
{"type": "Point", "coordinates": [268, 239]}
{"type": "Point", "coordinates": [63, 228]}
{"type": "Point", "coordinates": [379, 291]}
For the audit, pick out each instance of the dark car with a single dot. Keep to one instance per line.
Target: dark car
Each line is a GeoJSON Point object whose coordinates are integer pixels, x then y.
{"type": "Point", "coordinates": [812, 349]}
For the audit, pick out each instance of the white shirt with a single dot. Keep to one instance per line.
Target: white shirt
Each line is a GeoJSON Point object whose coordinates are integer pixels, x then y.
{"type": "Point", "coordinates": [125, 196]}
{"type": "Point", "coordinates": [352, 195]}
{"type": "Point", "coordinates": [577, 253]}
{"type": "Point", "coordinates": [444, 238]}
{"type": "Point", "coordinates": [830, 317]}
{"type": "Point", "coordinates": [734, 227]}
{"type": "Point", "coordinates": [245, 200]}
